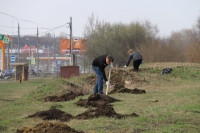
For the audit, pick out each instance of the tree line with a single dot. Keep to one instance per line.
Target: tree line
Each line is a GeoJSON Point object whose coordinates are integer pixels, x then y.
{"type": "Point", "coordinates": [116, 39]}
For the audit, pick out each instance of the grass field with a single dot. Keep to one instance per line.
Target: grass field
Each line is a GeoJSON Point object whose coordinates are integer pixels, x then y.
{"type": "Point", "coordinates": [171, 103]}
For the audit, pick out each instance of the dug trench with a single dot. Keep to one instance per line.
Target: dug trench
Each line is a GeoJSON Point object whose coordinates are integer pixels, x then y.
{"type": "Point", "coordinates": [102, 104]}
{"type": "Point", "coordinates": [66, 97]}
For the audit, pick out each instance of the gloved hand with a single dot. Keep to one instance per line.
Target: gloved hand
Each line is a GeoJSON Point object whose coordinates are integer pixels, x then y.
{"type": "Point", "coordinates": [107, 83]}
{"type": "Point", "coordinates": [125, 66]}
{"type": "Point", "coordinates": [111, 66]}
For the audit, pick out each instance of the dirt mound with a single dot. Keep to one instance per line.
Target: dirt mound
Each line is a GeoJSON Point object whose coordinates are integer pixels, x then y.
{"type": "Point", "coordinates": [107, 111]}
{"type": "Point", "coordinates": [66, 97]}
{"type": "Point", "coordinates": [118, 80]}
{"type": "Point", "coordinates": [95, 100]}
{"type": "Point", "coordinates": [47, 127]}
{"type": "Point", "coordinates": [52, 114]}
{"type": "Point", "coordinates": [126, 90]}
{"type": "Point", "coordinates": [117, 76]}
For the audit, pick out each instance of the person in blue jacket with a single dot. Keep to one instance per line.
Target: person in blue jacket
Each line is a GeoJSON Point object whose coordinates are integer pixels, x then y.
{"type": "Point", "coordinates": [136, 57]}
{"type": "Point", "coordinates": [98, 65]}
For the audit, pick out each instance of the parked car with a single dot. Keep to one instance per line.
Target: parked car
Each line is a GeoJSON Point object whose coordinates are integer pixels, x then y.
{"type": "Point", "coordinates": [8, 73]}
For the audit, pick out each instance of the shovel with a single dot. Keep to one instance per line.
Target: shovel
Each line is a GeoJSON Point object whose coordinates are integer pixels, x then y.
{"type": "Point", "coordinates": [108, 82]}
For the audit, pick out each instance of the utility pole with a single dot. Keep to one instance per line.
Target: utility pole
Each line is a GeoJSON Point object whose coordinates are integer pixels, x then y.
{"type": "Point", "coordinates": [30, 57]}
{"type": "Point", "coordinates": [48, 66]}
{"type": "Point", "coordinates": [71, 45]}
{"type": "Point", "coordinates": [18, 44]}
{"type": "Point", "coordinates": [11, 47]}
{"type": "Point", "coordinates": [54, 56]}
{"type": "Point", "coordinates": [8, 66]}
{"type": "Point", "coordinates": [37, 53]}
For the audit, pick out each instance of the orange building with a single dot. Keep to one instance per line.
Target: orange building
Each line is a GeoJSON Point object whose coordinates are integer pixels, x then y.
{"type": "Point", "coordinates": [2, 56]}
{"type": "Point", "coordinates": [79, 46]}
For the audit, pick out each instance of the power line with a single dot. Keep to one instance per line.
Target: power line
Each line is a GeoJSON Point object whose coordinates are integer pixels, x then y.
{"type": "Point", "coordinates": [54, 28]}
{"type": "Point", "coordinates": [49, 29]}
{"type": "Point", "coordinates": [20, 28]}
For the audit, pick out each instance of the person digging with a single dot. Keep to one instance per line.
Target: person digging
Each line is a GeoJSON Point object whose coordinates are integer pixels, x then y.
{"type": "Point", "coordinates": [98, 65]}
{"type": "Point", "coordinates": [136, 57]}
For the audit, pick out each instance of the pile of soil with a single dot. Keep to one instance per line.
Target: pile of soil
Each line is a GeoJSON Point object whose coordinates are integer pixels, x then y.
{"type": "Point", "coordinates": [95, 100]}
{"type": "Point", "coordinates": [118, 80]}
{"type": "Point", "coordinates": [107, 111]}
{"type": "Point", "coordinates": [117, 76]}
{"type": "Point", "coordinates": [66, 97]}
{"type": "Point", "coordinates": [103, 110]}
{"type": "Point", "coordinates": [126, 90]}
{"type": "Point", "coordinates": [119, 83]}
{"type": "Point", "coordinates": [52, 114]}
{"type": "Point", "coordinates": [47, 127]}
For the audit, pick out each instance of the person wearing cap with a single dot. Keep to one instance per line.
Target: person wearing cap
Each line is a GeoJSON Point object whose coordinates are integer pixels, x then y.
{"type": "Point", "coordinates": [98, 65]}
{"type": "Point", "coordinates": [136, 57]}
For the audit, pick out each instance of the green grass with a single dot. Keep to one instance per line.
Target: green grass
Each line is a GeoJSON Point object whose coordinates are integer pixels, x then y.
{"type": "Point", "coordinates": [177, 109]}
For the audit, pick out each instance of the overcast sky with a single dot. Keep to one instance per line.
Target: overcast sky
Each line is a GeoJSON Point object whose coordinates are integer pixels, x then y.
{"type": "Point", "coordinates": [168, 15]}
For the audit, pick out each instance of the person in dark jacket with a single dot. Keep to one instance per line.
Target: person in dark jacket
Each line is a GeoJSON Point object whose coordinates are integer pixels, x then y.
{"type": "Point", "coordinates": [137, 59]}
{"type": "Point", "coordinates": [98, 66]}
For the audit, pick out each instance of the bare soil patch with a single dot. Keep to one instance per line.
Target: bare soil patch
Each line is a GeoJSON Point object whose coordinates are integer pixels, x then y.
{"type": "Point", "coordinates": [66, 97]}
{"type": "Point", "coordinates": [118, 80]}
{"type": "Point", "coordinates": [95, 100]}
{"type": "Point", "coordinates": [126, 90]}
{"type": "Point", "coordinates": [47, 127]}
{"type": "Point", "coordinates": [118, 77]}
{"type": "Point", "coordinates": [52, 114]}
{"type": "Point", "coordinates": [100, 111]}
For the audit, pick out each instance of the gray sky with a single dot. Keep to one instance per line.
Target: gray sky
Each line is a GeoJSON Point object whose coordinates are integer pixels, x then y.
{"type": "Point", "coordinates": [168, 15]}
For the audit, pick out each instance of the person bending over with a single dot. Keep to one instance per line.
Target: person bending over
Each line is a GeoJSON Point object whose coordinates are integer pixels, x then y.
{"type": "Point", "coordinates": [98, 65]}
{"type": "Point", "coordinates": [136, 57]}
